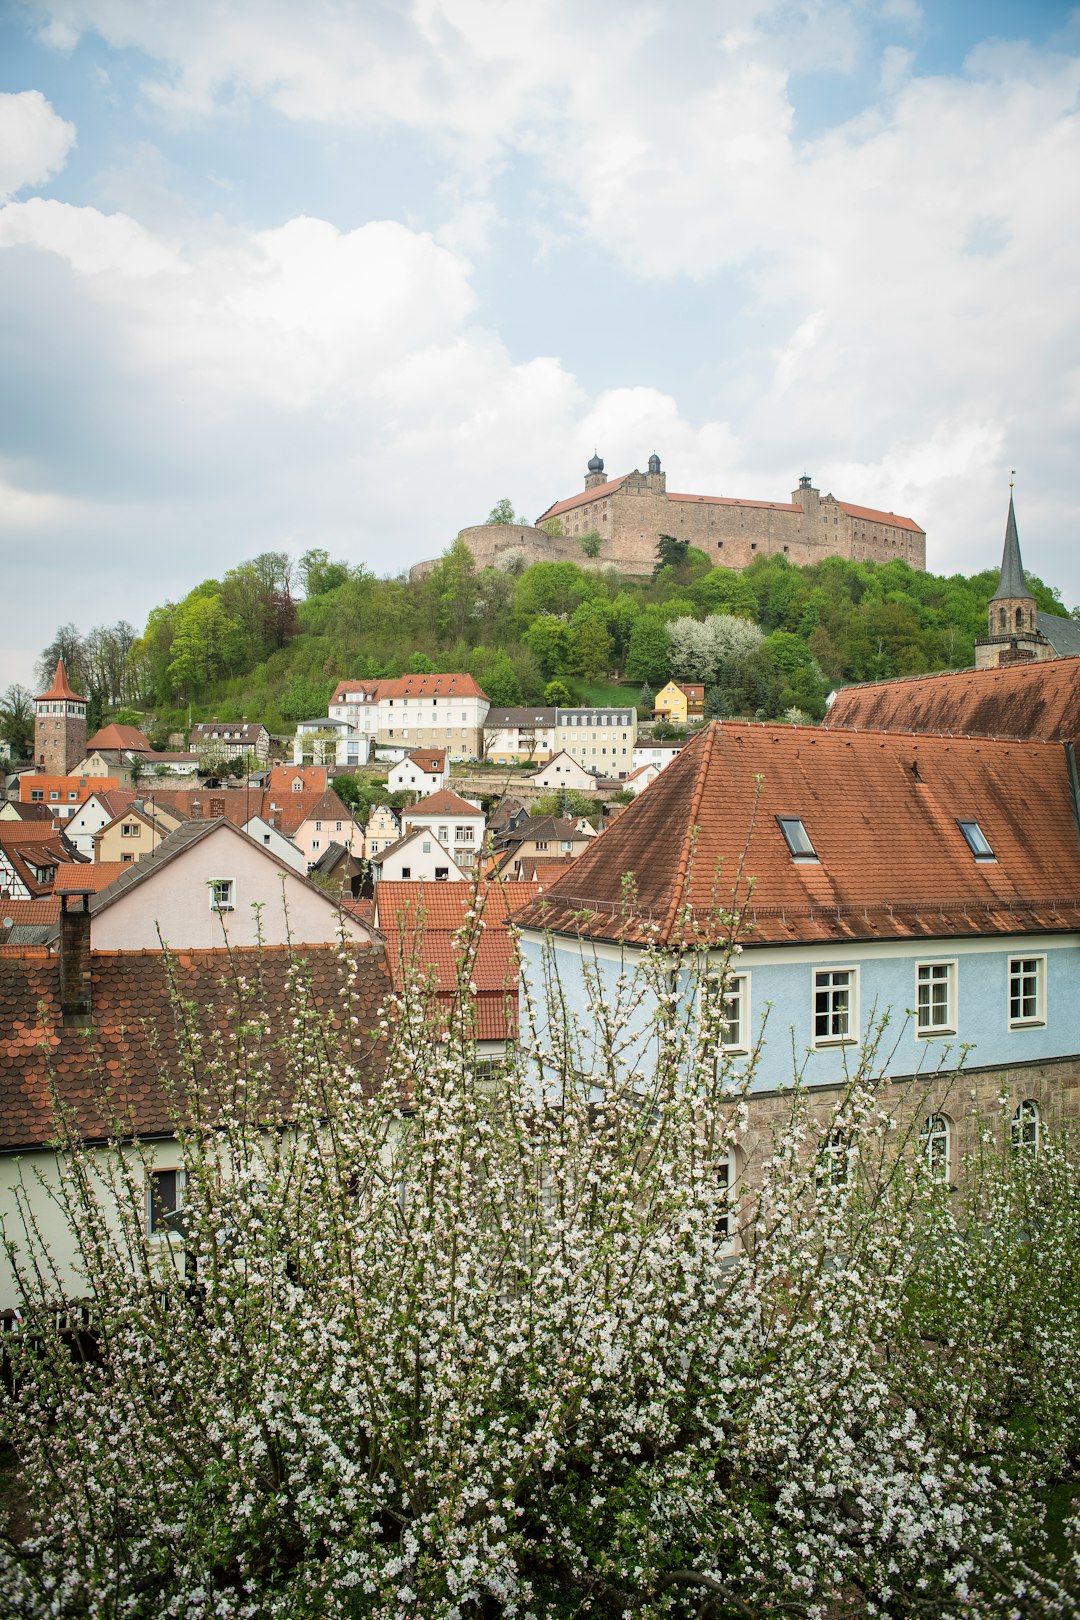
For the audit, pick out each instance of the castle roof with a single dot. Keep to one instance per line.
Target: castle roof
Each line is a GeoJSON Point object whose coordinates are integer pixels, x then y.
{"type": "Point", "coordinates": [1012, 583]}
{"type": "Point", "coordinates": [61, 687]}
{"type": "Point", "coordinates": [870, 514]}
{"type": "Point", "coordinates": [596, 493]}
{"type": "Point", "coordinates": [1040, 700]}
{"type": "Point", "coordinates": [887, 857]}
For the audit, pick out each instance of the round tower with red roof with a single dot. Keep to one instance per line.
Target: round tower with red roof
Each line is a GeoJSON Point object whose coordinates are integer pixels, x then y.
{"type": "Point", "coordinates": [59, 726]}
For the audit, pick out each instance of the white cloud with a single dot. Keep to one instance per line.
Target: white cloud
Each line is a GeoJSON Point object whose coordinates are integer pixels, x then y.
{"type": "Point", "coordinates": [93, 243]}
{"type": "Point", "coordinates": [34, 141]}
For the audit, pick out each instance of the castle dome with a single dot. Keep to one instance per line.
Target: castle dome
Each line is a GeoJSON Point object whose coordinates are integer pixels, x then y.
{"type": "Point", "coordinates": [654, 463]}
{"type": "Point", "coordinates": [596, 463]}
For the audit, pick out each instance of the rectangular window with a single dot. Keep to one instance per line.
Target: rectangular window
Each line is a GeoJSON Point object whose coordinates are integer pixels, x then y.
{"type": "Point", "coordinates": [935, 1010]}
{"type": "Point", "coordinates": [797, 838]}
{"type": "Point", "coordinates": [36, 795]}
{"type": "Point", "coordinates": [164, 1197]}
{"type": "Point", "coordinates": [736, 1014]}
{"type": "Point", "coordinates": [977, 840]}
{"type": "Point", "coordinates": [406, 871]}
{"type": "Point", "coordinates": [54, 795]}
{"type": "Point", "coordinates": [130, 829]}
{"type": "Point", "coordinates": [1027, 990]}
{"type": "Point", "coordinates": [222, 894]}
{"type": "Point", "coordinates": [834, 1005]}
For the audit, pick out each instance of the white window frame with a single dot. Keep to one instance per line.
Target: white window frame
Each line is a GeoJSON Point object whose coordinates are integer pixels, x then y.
{"type": "Point", "coordinates": [834, 1159]}
{"type": "Point", "coordinates": [938, 972]}
{"type": "Point", "coordinates": [851, 1032]}
{"type": "Point", "coordinates": [181, 1181]}
{"type": "Point", "coordinates": [936, 1146]}
{"type": "Point", "coordinates": [1016, 971]}
{"type": "Point", "coordinates": [1027, 1127]}
{"type": "Point", "coordinates": [726, 1172]}
{"type": "Point", "coordinates": [222, 894]}
{"type": "Point", "coordinates": [737, 991]}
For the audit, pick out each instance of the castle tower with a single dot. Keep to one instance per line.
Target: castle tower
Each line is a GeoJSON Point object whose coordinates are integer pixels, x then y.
{"type": "Point", "coordinates": [655, 478]}
{"type": "Point", "coordinates": [59, 726]}
{"type": "Point", "coordinates": [595, 472]}
{"type": "Point", "coordinates": [1013, 635]}
{"type": "Point", "coordinates": [807, 497]}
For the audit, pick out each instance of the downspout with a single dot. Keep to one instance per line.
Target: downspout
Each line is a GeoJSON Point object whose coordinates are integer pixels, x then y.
{"type": "Point", "coordinates": [1074, 786]}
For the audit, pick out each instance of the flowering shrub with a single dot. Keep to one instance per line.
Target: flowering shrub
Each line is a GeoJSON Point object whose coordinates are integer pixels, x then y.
{"type": "Point", "coordinates": [544, 1344]}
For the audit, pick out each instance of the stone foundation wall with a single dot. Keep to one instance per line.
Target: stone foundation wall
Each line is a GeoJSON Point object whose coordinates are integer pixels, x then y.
{"type": "Point", "coordinates": [969, 1099]}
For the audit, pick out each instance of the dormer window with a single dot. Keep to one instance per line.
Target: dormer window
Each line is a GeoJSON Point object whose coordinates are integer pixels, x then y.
{"type": "Point", "coordinates": [797, 838]}
{"type": "Point", "coordinates": [977, 841]}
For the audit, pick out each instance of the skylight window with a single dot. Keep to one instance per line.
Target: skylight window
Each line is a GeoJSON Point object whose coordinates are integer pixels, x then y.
{"type": "Point", "coordinates": [976, 840]}
{"type": "Point", "coordinates": [797, 838]}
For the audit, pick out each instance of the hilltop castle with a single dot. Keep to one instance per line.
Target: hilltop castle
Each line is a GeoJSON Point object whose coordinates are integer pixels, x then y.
{"type": "Point", "coordinates": [631, 512]}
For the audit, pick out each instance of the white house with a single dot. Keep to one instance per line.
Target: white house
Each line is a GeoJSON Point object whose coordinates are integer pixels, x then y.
{"type": "Point", "coordinates": [330, 740]}
{"type": "Point", "coordinates": [208, 883]}
{"type": "Point", "coordinates": [437, 711]}
{"type": "Point", "coordinates": [423, 771]}
{"type": "Point", "coordinates": [234, 739]}
{"type": "Point", "coordinates": [656, 753]}
{"type": "Point", "coordinates": [519, 735]}
{"type": "Point", "coordinates": [641, 777]}
{"type": "Point", "coordinates": [418, 857]}
{"type": "Point", "coordinates": [560, 771]}
{"type": "Point", "coordinates": [92, 815]}
{"type": "Point", "coordinates": [273, 839]}
{"type": "Point", "coordinates": [457, 823]}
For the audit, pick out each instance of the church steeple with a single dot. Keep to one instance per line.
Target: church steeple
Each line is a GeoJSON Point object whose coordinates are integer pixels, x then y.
{"type": "Point", "coordinates": [1012, 586]}
{"type": "Point", "coordinates": [1013, 634]}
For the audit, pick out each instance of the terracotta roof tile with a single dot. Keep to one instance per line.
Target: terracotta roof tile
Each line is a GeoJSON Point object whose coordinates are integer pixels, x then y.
{"type": "Point", "coordinates": [881, 810]}
{"type": "Point", "coordinates": [597, 493]}
{"type": "Point", "coordinates": [1040, 699]}
{"type": "Point", "coordinates": [118, 1066]}
{"type": "Point", "coordinates": [120, 737]}
{"type": "Point", "coordinates": [443, 803]}
{"type": "Point", "coordinates": [733, 500]}
{"type": "Point", "coordinates": [432, 761]}
{"type": "Point", "coordinates": [870, 514]}
{"type": "Point", "coordinates": [61, 687]}
{"type": "Point", "coordinates": [78, 878]}
{"type": "Point", "coordinates": [429, 686]}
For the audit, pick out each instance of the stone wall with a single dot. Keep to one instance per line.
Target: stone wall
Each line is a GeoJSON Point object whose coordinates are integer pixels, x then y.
{"type": "Point", "coordinates": [731, 532]}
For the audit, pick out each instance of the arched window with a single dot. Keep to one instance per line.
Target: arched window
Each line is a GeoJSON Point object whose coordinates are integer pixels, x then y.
{"type": "Point", "coordinates": [935, 1140]}
{"type": "Point", "coordinates": [1026, 1127]}
{"type": "Point", "coordinates": [1002, 619]}
{"type": "Point", "coordinates": [1019, 618]}
{"type": "Point", "coordinates": [834, 1160]}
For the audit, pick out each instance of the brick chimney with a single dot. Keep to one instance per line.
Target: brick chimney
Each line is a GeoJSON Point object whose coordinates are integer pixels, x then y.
{"type": "Point", "coordinates": [75, 960]}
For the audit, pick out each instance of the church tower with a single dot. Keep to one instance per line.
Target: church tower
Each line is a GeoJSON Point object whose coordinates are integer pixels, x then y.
{"type": "Point", "coordinates": [59, 726]}
{"type": "Point", "coordinates": [1013, 635]}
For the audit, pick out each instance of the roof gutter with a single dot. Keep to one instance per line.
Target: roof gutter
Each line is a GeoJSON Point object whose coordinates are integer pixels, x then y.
{"type": "Point", "coordinates": [1074, 786]}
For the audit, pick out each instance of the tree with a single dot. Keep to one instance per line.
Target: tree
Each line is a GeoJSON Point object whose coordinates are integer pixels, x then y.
{"type": "Point", "coordinates": [590, 641]}
{"type": "Point", "coordinates": [17, 720]}
{"type": "Point", "coordinates": [463, 1345]}
{"type": "Point", "coordinates": [501, 512]}
{"type": "Point", "coordinates": [557, 695]}
{"type": "Point", "coordinates": [548, 639]}
{"type": "Point", "coordinates": [646, 699]}
{"type": "Point", "coordinates": [565, 802]}
{"type": "Point", "coordinates": [670, 553]}
{"type": "Point", "coordinates": [713, 649]}
{"type": "Point", "coordinates": [318, 574]}
{"type": "Point", "coordinates": [648, 656]}
{"type": "Point", "coordinates": [590, 542]}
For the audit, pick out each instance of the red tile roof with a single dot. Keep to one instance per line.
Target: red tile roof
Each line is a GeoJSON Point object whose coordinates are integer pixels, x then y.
{"type": "Point", "coordinates": [733, 500]}
{"type": "Point", "coordinates": [597, 493]}
{"type": "Point", "coordinates": [881, 811]}
{"type": "Point", "coordinates": [281, 778]}
{"type": "Point", "coordinates": [1037, 699]}
{"type": "Point", "coordinates": [87, 877]}
{"type": "Point", "coordinates": [430, 760]}
{"type": "Point", "coordinates": [83, 786]}
{"type": "Point", "coordinates": [45, 910]}
{"type": "Point", "coordinates": [133, 1045]}
{"type": "Point", "coordinates": [869, 514]}
{"type": "Point", "coordinates": [429, 686]}
{"type": "Point", "coordinates": [443, 803]}
{"type": "Point", "coordinates": [116, 737]}
{"type": "Point", "coordinates": [61, 687]}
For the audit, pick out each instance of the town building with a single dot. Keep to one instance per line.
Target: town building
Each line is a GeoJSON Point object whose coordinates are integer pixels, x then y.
{"type": "Point", "coordinates": [423, 771]}
{"type": "Point", "coordinates": [30, 856]}
{"type": "Point", "coordinates": [59, 726]}
{"type": "Point", "coordinates": [62, 794]}
{"type": "Point", "coordinates": [680, 702]}
{"type": "Point", "coordinates": [932, 879]}
{"type": "Point", "coordinates": [135, 832]}
{"type": "Point", "coordinates": [415, 711]}
{"type": "Point", "coordinates": [1034, 698]}
{"type": "Point", "coordinates": [457, 823]}
{"type": "Point", "coordinates": [561, 771]}
{"type": "Point", "coordinates": [1017, 632]}
{"type": "Point", "coordinates": [541, 838]}
{"type": "Point", "coordinates": [519, 735]}
{"type": "Point", "coordinates": [383, 829]}
{"type": "Point", "coordinates": [628, 514]}
{"type": "Point", "coordinates": [97, 811]}
{"type": "Point", "coordinates": [231, 739]}
{"type": "Point", "coordinates": [417, 857]}
{"type": "Point", "coordinates": [330, 741]}
{"type": "Point", "coordinates": [601, 739]}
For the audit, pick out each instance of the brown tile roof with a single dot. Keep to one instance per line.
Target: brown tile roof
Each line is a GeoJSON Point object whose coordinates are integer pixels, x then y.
{"type": "Point", "coordinates": [443, 803]}
{"type": "Point", "coordinates": [19, 912]}
{"type": "Point", "coordinates": [344, 690]}
{"type": "Point", "coordinates": [119, 1066]}
{"type": "Point", "coordinates": [544, 871]}
{"type": "Point", "coordinates": [118, 737]}
{"type": "Point", "coordinates": [83, 786]}
{"type": "Point", "coordinates": [430, 760]}
{"type": "Point", "coordinates": [881, 811]}
{"type": "Point", "coordinates": [597, 493]}
{"type": "Point", "coordinates": [281, 778]}
{"type": "Point", "coordinates": [31, 812]}
{"type": "Point", "coordinates": [1038, 700]}
{"type": "Point", "coordinates": [87, 877]}
{"type": "Point", "coordinates": [734, 500]}
{"type": "Point", "coordinates": [429, 686]}
{"type": "Point", "coordinates": [61, 687]}
{"type": "Point", "coordinates": [870, 514]}
{"type": "Point", "coordinates": [423, 923]}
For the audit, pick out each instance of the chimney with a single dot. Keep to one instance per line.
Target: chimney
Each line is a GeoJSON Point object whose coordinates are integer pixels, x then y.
{"type": "Point", "coordinates": [75, 960]}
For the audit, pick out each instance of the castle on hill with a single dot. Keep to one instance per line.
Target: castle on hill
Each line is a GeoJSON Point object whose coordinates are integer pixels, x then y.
{"type": "Point", "coordinates": [631, 512]}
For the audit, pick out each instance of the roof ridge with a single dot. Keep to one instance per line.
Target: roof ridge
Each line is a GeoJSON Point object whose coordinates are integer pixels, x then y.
{"type": "Point", "coordinates": [682, 870]}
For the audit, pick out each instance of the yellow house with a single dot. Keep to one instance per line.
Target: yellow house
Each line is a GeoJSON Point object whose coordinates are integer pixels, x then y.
{"type": "Point", "coordinates": [137, 831]}
{"type": "Point", "coordinates": [679, 702]}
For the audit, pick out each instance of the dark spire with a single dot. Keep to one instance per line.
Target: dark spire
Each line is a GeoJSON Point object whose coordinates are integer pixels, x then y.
{"type": "Point", "coordinates": [1012, 583]}
{"type": "Point", "coordinates": [596, 464]}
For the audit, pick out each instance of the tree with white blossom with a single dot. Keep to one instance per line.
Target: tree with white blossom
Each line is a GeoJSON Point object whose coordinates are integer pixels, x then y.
{"type": "Point", "coordinates": [541, 1343]}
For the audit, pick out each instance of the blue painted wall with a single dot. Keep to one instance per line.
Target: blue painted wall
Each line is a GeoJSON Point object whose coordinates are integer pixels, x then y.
{"type": "Point", "coordinates": [782, 991]}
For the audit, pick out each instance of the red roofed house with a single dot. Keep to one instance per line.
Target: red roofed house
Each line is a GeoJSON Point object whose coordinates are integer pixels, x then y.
{"type": "Point", "coordinates": [457, 823]}
{"type": "Point", "coordinates": [63, 794]}
{"type": "Point", "coordinates": [423, 771]}
{"type": "Point", "coordinates": [416, 711]}
{"type": "Point", "coordinates": [872, 873]}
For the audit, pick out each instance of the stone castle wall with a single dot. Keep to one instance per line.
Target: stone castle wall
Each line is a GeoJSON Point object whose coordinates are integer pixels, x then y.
{"type": "Point", "coordinates": [631, 518]}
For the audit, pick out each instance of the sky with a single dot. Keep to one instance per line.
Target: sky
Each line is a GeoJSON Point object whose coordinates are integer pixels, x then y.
{"type": "Point", "coordinates": [278, 275]}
